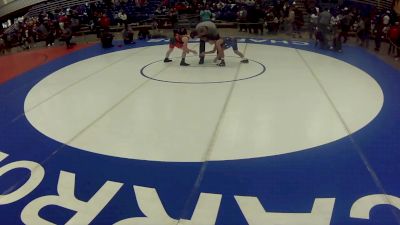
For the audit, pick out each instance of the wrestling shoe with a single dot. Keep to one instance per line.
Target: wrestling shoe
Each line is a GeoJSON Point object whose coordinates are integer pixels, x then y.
{"type": "Point", "coordinates": [167, 60]}
{"type": "Point", "coordinates": [184, 64]}
{"type": "Point", "coordinates": [222, 63]}
{"type": "Point", "coordinates": [201, 61]}
{"type": "Point", "coordinates": [244, 61]}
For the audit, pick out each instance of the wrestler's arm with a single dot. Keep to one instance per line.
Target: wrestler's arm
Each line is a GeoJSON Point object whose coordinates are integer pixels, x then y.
{"type": "Point", "coordinates": [212, 51]}
{"type": "Point", "coordinates": [185, 46]}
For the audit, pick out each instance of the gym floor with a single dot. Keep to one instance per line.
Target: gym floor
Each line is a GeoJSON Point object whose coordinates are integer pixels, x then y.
{"type": "Point", "coordinates": [298, 136]}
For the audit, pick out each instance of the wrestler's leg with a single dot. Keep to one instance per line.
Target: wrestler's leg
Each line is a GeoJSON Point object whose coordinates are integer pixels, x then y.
{"type": "Point", "coordinates": [237, 52]}
{"type": "Point", "coordinates": [201, 50]}
{"type": "Point", "coordinates": [170, 49]}
{"type": "Point", "coordinates": [183, 63]}
{"type": "Point", "coordinates": [221, 51]}
{"type": "Point", "coordinates": [167, 55]}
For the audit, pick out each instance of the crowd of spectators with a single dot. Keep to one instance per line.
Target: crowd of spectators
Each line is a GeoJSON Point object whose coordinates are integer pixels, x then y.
{"type": "Point", "coordinates": [333, 26]}
{"type": "Point", "coordinates": [62, 23]}
{"type": "Point", "coordinates": [330, 27]}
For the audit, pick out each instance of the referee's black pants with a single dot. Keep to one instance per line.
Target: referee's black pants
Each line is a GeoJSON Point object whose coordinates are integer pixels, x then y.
{"type": "Point", "coordinates": [202, 49]}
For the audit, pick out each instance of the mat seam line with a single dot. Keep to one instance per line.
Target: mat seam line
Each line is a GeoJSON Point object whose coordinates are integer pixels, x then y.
{"type": "Point", "coordinates": [92, 74]}
{"type": "Point", "coordinates": [203, 168]}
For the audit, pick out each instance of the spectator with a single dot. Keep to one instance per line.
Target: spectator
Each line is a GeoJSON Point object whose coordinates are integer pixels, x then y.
{"type": "Point", "coordinates": [394, 36]}
{"type": "Point", "coordinates": [158, 11]}
{"type": "Point", "coordinates": [345, 24]}
{"type": "Point", "coordinates": [378, 31]}
{"type": "Point", "coordinates": [336, 41]}
{"type": "Point", "coordinates": [173, 17]}
{"type": "Point", "coordinates": [361, 31]}
{"type": "Point", "coordinates": [51, 33]}
{"type": "Point", "coordinates": [205, 14]}
{"type": "Point", "coordinates": [398, 47]}
{"type": "Point", "coordinates": [127, 35]}
{"type": "Point", "coordinates": [123, 18]}
{"type": "Point", "coordinates": [386, 19]}
{"type": "Point", "coordinates": [116, 18]}
{"type": "Point", "coordinates": [67, 36]}
{"type": "Point", "coordinates": [106, 39]}
{"type": "Point", "coordinates": [75, 24]}
{"type": "Point", "coordinates": [8, 42]}
{"type": "Point", "coordinates": [62, 20]}
{"type": "Point", "coordinates": [367, 32]}
{"type": "Point", "coordinates": [2, 45]}
{"type": "Point", "coordinates": [242, 18]}
{"type": "Point", "coordinates": [396, 6]}
{"type": "Point", "coordinates": [42, 31]}
{"type": "Point", "coordinates": [324, 21]}
{"type": "Point", "coordinates": [290, 20]}
{"type": "Point", "coordinates": [143, 34]}
{"type": "Point", "coordinates": [312, 24]}
{"type": "Point", "coordinates": [104, 22]}
{"type": "Point", "coordinates": [254, 16]}
{"type": "Point", "coordinates": [298, 21]}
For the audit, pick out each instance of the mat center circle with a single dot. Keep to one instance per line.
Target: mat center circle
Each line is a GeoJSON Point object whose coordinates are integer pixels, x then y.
{"type": "Point", "coordinates": [206, 73]}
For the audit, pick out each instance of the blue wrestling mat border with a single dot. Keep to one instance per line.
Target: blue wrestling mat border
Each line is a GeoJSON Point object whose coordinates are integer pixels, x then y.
{"type": "Point", "coordinates": [352, 181]}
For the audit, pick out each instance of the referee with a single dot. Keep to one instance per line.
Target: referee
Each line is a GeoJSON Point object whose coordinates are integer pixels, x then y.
{"type": "Point", "coordinates": [205, 31]}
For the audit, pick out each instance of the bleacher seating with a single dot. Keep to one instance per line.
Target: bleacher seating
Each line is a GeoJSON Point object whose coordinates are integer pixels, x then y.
{"type": "Point", "coordinates": [50, 6]}
{"type": "Point", "coordinates": [379, 4]}
{"type": "Point", "coordinates": [13, 6]}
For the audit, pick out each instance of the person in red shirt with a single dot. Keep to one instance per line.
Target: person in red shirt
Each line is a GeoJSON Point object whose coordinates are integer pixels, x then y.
{"type": "Point", "coordinates": [104, 21]}
{"type": "Point", "coordinates": [180, 40]}
{"type": "Point", "coordinates": [394, 39]}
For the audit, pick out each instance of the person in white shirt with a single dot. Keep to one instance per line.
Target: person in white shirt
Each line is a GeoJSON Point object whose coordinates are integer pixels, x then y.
{"type": "Point", "coordinates": [335, 22]}
{"type": "Point", "coordinates": [290, 20]}
{"type": "Point", "coordinates": [123, 18]}
{"type": "Point", "coordinates": [313, 24]}
{"type": "Point", "coordinates": [386, 19]}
